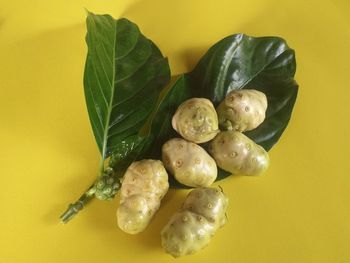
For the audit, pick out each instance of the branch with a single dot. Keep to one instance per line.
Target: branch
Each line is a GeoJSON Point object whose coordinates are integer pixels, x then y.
{"type": "Point", "coordinates": [76, 207]}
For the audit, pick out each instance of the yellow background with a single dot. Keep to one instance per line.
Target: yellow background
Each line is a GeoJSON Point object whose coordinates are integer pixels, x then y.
{"type": "Point", "coordinates": [299, 211]}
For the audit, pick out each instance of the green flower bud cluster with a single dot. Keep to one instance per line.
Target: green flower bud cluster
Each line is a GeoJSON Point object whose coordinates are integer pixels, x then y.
{"type": "Point", "coordinates": [107, 185]}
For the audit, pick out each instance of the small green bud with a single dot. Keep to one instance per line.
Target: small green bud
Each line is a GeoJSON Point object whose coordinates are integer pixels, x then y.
{"type": "Point", "coordinates": [100, 184]}
{"type": "Point", "coordinates": [109, 171]}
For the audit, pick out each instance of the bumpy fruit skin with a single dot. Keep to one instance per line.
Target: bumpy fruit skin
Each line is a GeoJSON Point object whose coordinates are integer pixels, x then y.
{"type": "Point", "coordinates": [190, 164]}
{"type": "Point", "coordinates": [144, 185]}
{"type": "Point", "coordinates": [196, 120]}
{"type": "Point", "coordinates": [236, 153]}
{"type": "Point", "coordinates": [242, 110]}
{"type": "Point", "coordinates": [192, 228]}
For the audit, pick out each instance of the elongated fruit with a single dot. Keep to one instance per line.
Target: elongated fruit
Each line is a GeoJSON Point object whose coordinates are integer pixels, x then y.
{"type": "Point", "coordinates": [144, 185]}
{"type": "Point", "coordinates": [190, 164]}
{"type": "Point", "coordinates": [196, 120]}
{"type": "Point", "coordinates": [192, 228]}
{"type": "Point", "coordinates": [242, 110]}
{"type": "Point", "coordinates": [236, 153]}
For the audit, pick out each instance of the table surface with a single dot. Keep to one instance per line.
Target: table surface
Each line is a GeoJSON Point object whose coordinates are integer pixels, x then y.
{"type": "Point", "coordinates": [299, 211]}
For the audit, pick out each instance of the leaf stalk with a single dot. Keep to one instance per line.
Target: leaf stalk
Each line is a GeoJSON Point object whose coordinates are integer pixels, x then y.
{"type": "Point", "coordinates": [74, 208]}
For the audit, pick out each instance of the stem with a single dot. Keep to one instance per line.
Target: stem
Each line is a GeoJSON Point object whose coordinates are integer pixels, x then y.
{"type": "Point", "coordinates": [76, 207]}
{"type": "Point", "coordinates": [102, 165]}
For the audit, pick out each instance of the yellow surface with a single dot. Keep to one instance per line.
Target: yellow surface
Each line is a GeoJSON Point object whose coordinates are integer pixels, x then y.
{"type": "Point", "coordinates": [299, 211]}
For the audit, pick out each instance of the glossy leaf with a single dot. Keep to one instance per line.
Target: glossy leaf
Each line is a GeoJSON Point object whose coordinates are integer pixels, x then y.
{"type": "Point", "coordinates": [124, 74]}
{"type": "Point", "coordinates": [243, 62]}
{"type": "Point", "coordinates": [237, 62]}
{"type": "Point", "coordinates": [125, 152]}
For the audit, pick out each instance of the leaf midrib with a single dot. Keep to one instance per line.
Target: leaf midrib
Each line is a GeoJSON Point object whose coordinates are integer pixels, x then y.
{"type": "Point", "coordinates": [226, 64]}
{"type": "Point", "coordinates": [109, 109]}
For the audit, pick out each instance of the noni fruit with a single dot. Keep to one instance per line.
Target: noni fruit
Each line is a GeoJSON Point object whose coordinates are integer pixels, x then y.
{"type": "Point", "coordinates": [190, 164]}
{"type": "Point", "coordinates": [196, 120]}
{"type": "Point", "coordinates": [144, 185]}
{"type": "Point", "coordinates": [242, 110]}
{"type": "Point", "coordinates": [236, 153]}
{"type": "Point", "coordinates": [191, 228]}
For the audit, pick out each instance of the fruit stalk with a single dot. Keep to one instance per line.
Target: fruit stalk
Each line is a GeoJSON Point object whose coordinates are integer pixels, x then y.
{"type": "Point", "coordinates": [104, 188]}
{"type": "Point", "coordinates": [74, 208]}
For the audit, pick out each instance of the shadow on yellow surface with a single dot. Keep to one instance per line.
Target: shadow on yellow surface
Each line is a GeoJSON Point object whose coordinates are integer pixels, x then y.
{"type": "Point", "coordinates": [297, 212]}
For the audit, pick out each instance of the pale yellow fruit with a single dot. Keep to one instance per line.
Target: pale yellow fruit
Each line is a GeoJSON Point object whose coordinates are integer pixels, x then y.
{"type": "Point", "coordinates": [196, 120]}
{"type": "Point", "coordinates": [242, 110]}
{"type": "Point", "coordinates": [193, 227]}
{"type": "Point", "coordinates": [236, 153]}
{"type": "Point", "coordinates": [190, 164]}
{"type": "Point", "coordinates": [144, 185]}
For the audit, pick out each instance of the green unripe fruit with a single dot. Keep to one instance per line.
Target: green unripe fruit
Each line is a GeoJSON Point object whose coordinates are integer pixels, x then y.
{"type": "Point", "coordinates": [242, 110]}
{"type": "Point", "coordinates": [144, 185]}
{"type": "Point", "coordinates": [196, 120]}
{"type": "Point", "coordinates": [190, 164]}
{"type": "Point", "coordinates": [107, 185]}
{"type": "Point", "coordinates": [192, 228]}
{"type": "Point", "coordinates": [236, 153]}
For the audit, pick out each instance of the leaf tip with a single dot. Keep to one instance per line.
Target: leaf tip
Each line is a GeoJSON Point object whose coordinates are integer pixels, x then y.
{"type": "Point", "coordinates": [87, 11]}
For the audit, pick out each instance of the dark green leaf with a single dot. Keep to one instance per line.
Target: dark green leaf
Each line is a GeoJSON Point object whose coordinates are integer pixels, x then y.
{"type": "Point", "coordinates": [237, 62]}
{"type": "Point", "coordinates": [159, 125]}
{"type": "Point", "coordinates": [125, 152]}
{"type": "Point", "coordinates": [124, 74]}
{"type": "Point", "coordinates": [243, 62]}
